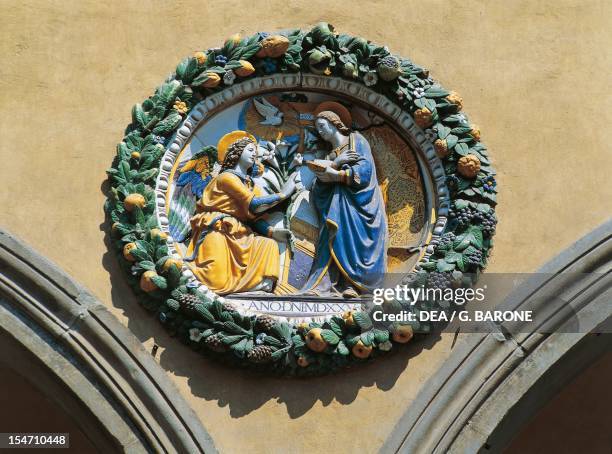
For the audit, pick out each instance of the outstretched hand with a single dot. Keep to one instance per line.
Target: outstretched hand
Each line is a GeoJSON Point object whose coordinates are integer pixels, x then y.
{"type": "Point", "coordinates": [294, 183]}
{"type": "Point", "coordinates": [267, 152]}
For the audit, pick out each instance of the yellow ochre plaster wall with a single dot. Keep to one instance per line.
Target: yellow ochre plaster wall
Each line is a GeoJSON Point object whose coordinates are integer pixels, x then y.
{"type": "Point", "coordinates": [534, 76]}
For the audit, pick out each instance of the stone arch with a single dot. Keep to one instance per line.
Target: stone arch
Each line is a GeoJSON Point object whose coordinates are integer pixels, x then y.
{"type": "Point", "coordinates": [67, 344]}
{"type": "Point", "coordinates": [493, 382]}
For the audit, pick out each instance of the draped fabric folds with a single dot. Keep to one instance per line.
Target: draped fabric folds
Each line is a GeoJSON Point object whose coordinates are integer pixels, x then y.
{"type": "Point", "coordinates": [228, 256]}
{"type": "Point", "coordinates": [353, 230]}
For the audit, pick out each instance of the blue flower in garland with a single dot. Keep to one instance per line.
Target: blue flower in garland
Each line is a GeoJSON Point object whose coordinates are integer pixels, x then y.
{"type": "Point", "coordinates": [159, 140]}
{"type": "Point", "coordinates": [260, 338]}
{"type": "Point", "coordinates": [263, 35]}
{"type": "Point", "coordinates": [269, 65]}
{"type": "Point", "coordinates": [221, 60]}
{"type": "Point", "coordinates": [488, 184]}
{"type": "Point", "coordinates": [163, 317]}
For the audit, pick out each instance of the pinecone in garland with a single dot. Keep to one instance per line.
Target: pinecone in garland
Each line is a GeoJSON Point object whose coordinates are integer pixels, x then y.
{"type": "Point", "coordinates": [463, 217]}
{"type": "Point", "coordinates": [260, 354]}
{"type": "Point", "coordinates": [188, 302]}
{"type": "Point", "coordinates": [264, 323]}
{"type": "Point", "coordinates": [488, 222]}
{"type": "Point", "coordinates": [446, 241]}
{"type": "Point", "coordinates": [439, 280]}
{"type": "Point", "coordinates": [215, 343]}
{"type": "Point", "coordinates": [389, 68]}
{"type": "Point", "coordinates": [229, 307]}
{"type": "Point", "coordinates": [473, 258]}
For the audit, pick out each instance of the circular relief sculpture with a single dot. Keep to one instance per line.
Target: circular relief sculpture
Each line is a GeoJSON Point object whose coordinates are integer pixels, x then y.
{"type": "Point", "coordinates": [269, 188]}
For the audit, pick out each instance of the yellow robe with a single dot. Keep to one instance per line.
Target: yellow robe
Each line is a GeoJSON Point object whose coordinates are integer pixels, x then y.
{"type": "Point", "coordinates": [231, 258]}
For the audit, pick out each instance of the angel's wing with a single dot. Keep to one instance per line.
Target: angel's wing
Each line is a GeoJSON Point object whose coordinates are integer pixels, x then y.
{"type": "Point", "coordinates": [194, 176]}
{"type": "Point", "coordinates": [264, 108]}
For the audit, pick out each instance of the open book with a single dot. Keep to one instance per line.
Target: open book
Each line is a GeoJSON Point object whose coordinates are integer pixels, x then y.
{"type": "Point", "coordinates": [318, 165]}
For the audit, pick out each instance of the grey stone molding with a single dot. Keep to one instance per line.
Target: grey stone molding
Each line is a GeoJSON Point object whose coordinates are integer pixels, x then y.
{"type": "Point", "coordinates": [494, 382]}
{"type": "Point", "coordinates": [59, 338]}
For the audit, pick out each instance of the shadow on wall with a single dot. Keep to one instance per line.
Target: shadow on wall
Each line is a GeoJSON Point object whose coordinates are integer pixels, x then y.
{"type": "Point", "coordinates": [245, 391]}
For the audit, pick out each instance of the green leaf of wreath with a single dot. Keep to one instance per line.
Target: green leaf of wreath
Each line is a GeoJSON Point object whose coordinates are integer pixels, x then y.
{"type": "Point", "coordinates": [159, 281]}
{"type": "Point", "coordinates": [367, 338]}
{"type": "Point", "coordinates": [168, 92]}
{"type": "Point", "coordinates": [461, 149]}
{"type": "Point", "coordinates": [436, 92]}
{"type": "Point", "coordinates": [381, 336]}
{"type": "Point", "coordinates": [461, 263]}
{"type": "Point", "coordinates": [430, 104]}
{"type": "Point", "coordinates": [476, 236]}
{"type": "Point", "coordinates": [452, 257]}
{"type": "Point", "coordinates": [278, 354]}
{"type": "Point", "coordinates": [298, 341]}
{"type": "Point", "coordinates": [336, 325]}
{"type": "Point", "coordinates": [190, 71]}
{"type": "Point", "coordinates": [451, 141]}
{"type": "Point", "coordinates": [342, 349]}
{"type": "Point", "coordinates": [173, 275]}
{"type": "Point", "coordinates": [428, 266]}
{"type": "Point", "coordinates": [462, 241]}
{"type": "Point", "coordinates": [229, 340]}
{"type": "Point", "coordinates": [273, 342]}
{"type": "Point", "coordinates": [233, 65]}
{"type": "Point", "coordinates": [363, 320]}
{"type": "Point", "coordinates": [140, 255]}
{"type": "Point", "coordinates": [443, 133]}
{"type": "Point", "coordinates": [461, 130]}
{"type": "Point", "coordinates": [147, 265]}
{"type": "Point", "coordinates": [461, 204]}
{"type": "Point", "coordinates": [282, 331]}
{"type": "Point", "coordinates": [233, 327]}
{"type": "Point", "coordinates": [138, 115]}
{"type": "Point", "coordinates": [330, 337]}
{"type": "Point", "coordinates": [181, 68]}
{"type": "Point", "coordinates": [167, 124]}
{"type": "Point", "coordinates": [249, 51]}
{"type": "Point", "coordinates": [239, 348]}
{"type": "Point", "coordinates": [483, 207]}
{"type": "Point", "coordinates": [442, 266]}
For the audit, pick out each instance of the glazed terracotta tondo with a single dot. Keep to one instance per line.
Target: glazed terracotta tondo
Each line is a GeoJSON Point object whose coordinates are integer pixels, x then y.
{"type": "Point", "coordinates": [269, 187]}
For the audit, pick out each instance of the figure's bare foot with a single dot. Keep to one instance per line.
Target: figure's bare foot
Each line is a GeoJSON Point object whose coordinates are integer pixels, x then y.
{"type": "Point", "coordinates": [350, 292]}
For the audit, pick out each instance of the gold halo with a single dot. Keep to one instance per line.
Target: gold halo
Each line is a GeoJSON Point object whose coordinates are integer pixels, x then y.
{"type": "Point", "coordinates": [338, 109]}
{"type": "Point", "coordinates": [228, 139]}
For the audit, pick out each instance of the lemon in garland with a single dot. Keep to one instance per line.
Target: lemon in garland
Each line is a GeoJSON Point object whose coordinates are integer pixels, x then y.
{"type": "Point", "coordinates": [127, 252]}
{"type": "Point", "coordinates": [315, 341]}
{"type": "Point", "coordinates": [361, 351]}
{"type": "Point", "coordinates": [134, 200]}
{"type": "Point", "coordinates": [146, 281]}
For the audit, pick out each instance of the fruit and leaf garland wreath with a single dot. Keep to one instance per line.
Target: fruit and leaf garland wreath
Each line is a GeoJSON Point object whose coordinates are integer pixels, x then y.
{"type": "Point", "coordinates": [209, 324]}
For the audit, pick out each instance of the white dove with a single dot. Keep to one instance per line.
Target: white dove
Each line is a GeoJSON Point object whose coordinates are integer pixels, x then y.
{"type": "Point", "coordinates": [273, 116]}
